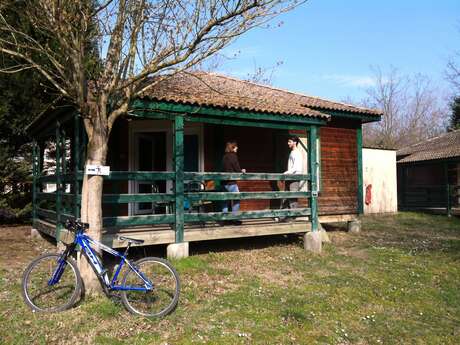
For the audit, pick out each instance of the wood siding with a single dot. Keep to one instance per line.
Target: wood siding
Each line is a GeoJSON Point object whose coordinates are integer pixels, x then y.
{"type": "Point", "coordinates": [339, 169]}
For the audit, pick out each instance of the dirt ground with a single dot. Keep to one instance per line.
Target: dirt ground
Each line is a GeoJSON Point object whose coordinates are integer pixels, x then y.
{"type": "Point", "coordinates": [17, 248]}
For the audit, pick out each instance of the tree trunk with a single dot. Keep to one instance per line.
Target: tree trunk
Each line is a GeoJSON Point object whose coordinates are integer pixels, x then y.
{"type": "Point", "coordinates": [91, 207]}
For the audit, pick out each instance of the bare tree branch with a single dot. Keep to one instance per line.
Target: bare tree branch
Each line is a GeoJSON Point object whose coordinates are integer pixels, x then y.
{"type": "Point", "coordinates": [412, 106]}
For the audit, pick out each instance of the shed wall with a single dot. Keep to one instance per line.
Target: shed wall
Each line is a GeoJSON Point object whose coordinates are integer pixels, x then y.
{"type": "Point", "coordinates": [379, 175]}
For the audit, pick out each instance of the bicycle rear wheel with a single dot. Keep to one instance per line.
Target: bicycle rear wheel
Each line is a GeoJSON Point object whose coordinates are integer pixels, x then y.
{"type": "Point", "coordinates": [41, 294]}
{"type": "Point", "coordinates": [159, 301]}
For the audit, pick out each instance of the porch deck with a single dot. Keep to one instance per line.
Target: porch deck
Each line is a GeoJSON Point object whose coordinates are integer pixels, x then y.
{"type": "Point", "coordinates": [164, 234]}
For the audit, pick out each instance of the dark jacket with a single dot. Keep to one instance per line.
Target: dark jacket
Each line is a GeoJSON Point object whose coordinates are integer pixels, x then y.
{"type": "Point", "coordinates": [230, 164]}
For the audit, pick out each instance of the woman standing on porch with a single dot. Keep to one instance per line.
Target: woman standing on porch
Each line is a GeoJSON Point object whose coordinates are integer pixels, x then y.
{"type": "Point", "coordinates": [230, 164]}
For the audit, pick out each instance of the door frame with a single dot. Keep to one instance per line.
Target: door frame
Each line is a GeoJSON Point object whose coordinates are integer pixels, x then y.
{"type": "Point", "coordinates": [137, 184]}
{"type": "Point", "coordinates": [148, 126]}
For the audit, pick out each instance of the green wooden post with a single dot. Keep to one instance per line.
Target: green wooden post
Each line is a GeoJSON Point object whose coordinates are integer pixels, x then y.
{"type": "Point", "coordinates": [58, 180]}
{"type": "Point", "coordinates": [312, 162]}
{"type": "Point", "coordinates": [35, 159]}
{"type": "Point", "coordinates": [179, 179]}
{"type": "Point", "coordinates": [41, 158]}
{"type": "Point", "coordinates": [64, 170]}
{"type": "Point", "coordinates": [76, 164]}
{"type": "Point", "coordinates": [448, 203]}
{"type": "Point", "coordinates": [359, 147]}
{"type": "Point", "coordinates": [84, 146]}
{"type": "Point", "coordinates": [40, 162]}
{"type": "Point", "coordinates": [402, 188]}
{"type": "Point", "coordinates": [218, 153]}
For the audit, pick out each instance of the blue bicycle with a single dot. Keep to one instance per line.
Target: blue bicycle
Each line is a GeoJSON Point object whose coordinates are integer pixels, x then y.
{"type": "Point", "coordinates": [52, 282]}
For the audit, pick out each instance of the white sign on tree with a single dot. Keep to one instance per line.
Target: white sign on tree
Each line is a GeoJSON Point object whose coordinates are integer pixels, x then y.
{"type": "Point", "coordinates": [101, 170]}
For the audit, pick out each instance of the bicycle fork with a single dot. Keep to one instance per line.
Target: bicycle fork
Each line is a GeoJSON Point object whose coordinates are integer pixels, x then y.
{"type": "Point", "coordinates": [62, 263]}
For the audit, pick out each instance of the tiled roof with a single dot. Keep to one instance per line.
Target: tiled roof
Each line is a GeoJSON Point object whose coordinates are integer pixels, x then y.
{"type": "Point", "coordinates": [210, 89]}
{"type": "Point", "coordinates": [441, 147]}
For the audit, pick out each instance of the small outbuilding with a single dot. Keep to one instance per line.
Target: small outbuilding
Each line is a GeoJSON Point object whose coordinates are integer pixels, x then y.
{"type": "Point", "coordinates": [379, 181]}
{"type": "Point", "coordinates": [429, 175]}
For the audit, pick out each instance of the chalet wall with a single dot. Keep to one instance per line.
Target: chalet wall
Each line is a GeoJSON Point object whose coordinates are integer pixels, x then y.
{"type": "Point", "coordinates": [339, 168]}
{"type": "Point", "coordinates": [379, 172]}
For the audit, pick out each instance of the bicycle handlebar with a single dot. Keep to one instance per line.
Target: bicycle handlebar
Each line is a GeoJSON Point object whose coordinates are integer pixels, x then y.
{"type": "Point", "coordinates": [76, 225]}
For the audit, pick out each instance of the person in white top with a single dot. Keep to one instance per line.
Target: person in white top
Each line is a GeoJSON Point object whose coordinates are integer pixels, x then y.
{"type": "Point", "coordinates": [294, 167]}
{"type": "Point", "coordinates": [295, 157]}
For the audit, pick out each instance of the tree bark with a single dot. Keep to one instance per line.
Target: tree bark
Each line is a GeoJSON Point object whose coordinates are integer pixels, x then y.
{"type": "Point", "coordinates": [91, 207]}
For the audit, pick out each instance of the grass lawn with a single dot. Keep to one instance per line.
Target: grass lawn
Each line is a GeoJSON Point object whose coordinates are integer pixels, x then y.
{"type": "Point", "coordinates": [397, 282]}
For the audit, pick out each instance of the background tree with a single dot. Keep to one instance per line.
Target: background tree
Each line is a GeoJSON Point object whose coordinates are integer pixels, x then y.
{"type": "Point", "coordinates": [453, 72]}
{"type": "Point", "coordinates": [263, 75]}
{"type": "Point", "coordinates": [454, 122]}
{"type": "Point", "coordinates": [137, 40]}
{"type": "Point", "coordinates": [18, 105]}
{"type": "Point", "coordinates": [412, 107]}
{"type": "Point", "coordinates": [453, 77]}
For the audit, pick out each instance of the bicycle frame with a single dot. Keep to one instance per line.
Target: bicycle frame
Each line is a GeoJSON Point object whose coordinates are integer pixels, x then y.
{"type": "Point", "coordinates": [86, 244]}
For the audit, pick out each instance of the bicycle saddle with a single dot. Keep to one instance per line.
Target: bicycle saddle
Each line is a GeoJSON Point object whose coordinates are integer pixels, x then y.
{"type": "Point", "coordinates": [129, 239]}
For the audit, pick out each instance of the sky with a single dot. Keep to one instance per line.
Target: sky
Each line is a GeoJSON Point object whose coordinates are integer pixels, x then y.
{"type": "Point", "coordinates": [329, 47]}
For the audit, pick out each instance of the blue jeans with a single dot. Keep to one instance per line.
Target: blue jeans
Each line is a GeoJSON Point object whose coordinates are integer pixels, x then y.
{"type": "Point", "coordinates": [235, 203]}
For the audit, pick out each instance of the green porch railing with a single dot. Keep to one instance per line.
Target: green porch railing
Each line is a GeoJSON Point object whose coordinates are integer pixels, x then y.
{"type": "Point", "coordinates": [419, 197]}
{"type": "Point", "coordinates": [165, 198]}
{"type": "Point", "coordinates": [216, 176]}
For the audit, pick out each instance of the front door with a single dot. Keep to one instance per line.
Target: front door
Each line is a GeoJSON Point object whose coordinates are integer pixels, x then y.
{"type": "Point", "coordinates": [152, 150]}
{"type": "Point", "coordinates": [191, 153]}
{"type": "Point", "coordinates": [150, 156]}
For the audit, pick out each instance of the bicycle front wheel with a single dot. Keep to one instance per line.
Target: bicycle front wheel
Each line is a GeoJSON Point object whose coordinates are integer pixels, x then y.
{"type": "Point", "coordinates": [43, 294]}
{"type": "Point", "coordinates": [162, 298]}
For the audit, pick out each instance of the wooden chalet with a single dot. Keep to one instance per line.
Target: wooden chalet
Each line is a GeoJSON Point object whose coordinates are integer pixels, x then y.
{"type": "Point", "coordinates": [429, 175]}
{"type": "Point", "coordinates": [164, 157]}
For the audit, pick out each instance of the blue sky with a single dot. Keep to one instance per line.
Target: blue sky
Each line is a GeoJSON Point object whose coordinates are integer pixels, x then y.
{"type": "Point", "coordinates": [328, 46]}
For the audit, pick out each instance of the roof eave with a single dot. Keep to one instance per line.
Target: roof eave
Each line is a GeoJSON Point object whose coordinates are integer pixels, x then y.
{"type": "Point", "coordinates": [176, 107]}
{"type": "Point", "coordinates": [364, 117]}
{"type": "Point", "coordinates": [42, 120]}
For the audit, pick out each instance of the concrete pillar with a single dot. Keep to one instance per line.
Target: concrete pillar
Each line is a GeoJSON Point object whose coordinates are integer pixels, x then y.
{"type": "Point", "coordinates": [60, 246]}
{"type": "Point", "coordinates": [324, 235]}
{"type": "Point", "coordinates": [177, 250]}
{"type": "Point", "coordinates": [35, 234]}
{"type": "Point", "coordinates": [312, 241]}
{"type": "Point", "coordinates": [354, 226]}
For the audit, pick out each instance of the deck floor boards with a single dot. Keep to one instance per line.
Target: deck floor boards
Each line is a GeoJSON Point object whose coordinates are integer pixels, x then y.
{"type": "Point", "coordinates": [164, 233]}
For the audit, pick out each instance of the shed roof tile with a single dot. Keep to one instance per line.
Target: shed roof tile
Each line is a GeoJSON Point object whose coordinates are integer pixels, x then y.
{"type": "Point", "coordinates": [441, 147]}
